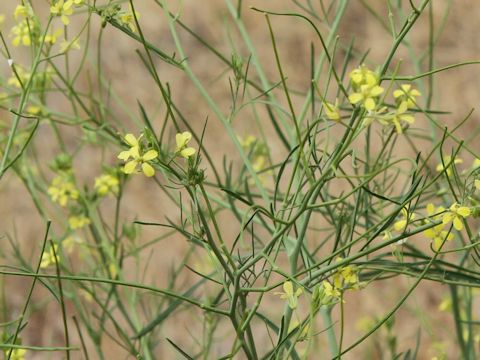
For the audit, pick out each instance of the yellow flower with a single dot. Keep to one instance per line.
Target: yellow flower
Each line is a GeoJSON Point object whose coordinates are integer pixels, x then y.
{"type": "Point", "coordinates": [345, 276]}
{"type": "Point", "coordinates": [62, 190]}
{"type": "Point", "coordinates": [137, 158]}
{"type": "Point", "coordinates": [433, 211]}
{"type": "Point", "coordinates": [34, 110]}
{"type": "Point", "coordinates": [182, 140]}
{"type": "Point", "coordinates": [387, 235]}
{"type": "Point", "coordinates": [77, 222]}
{"type": "Point", "coordinates": [476, 163]}
{"type": "Point", "coordinates": [17, 354]}
{"type": "Point", "coordinates": [52, 37]}
{"type": "Point", "coordinates": [48, 257]}
{"type": "Point", "coordinates": [447, 160]}
{"type": "Point", "coordinates": [438, 235]}
{"type": "Point", "coordinates": [399, 116]}
{"type": "Point", "coordinates": [330, 290]}
{"type": "Point", "coordinates": [366, 96]}
{"type": "Point", "coordinates": [363, 76]}
{"type": "Point", "coordinates": [406, 93]}
{"type": "Point", "coordinates": [106, 184]}
{"type": "Point", "coordinates": [401, 225]}
{"type": "Point", "coordinates": [445, 305]}
{"type": "Point", "coordinates": [456, 214]}
{"type": "Point", "coordinates": [247, 142]}
{"type": "Point", "coordinates": [290, 295]}
{"type": "Point", "coordinates": [63, 9]}
{"type": "Point", "coordinates": [332, 111]}
{"type": "Point", "coordinates": [23, 77]}
{"type": "Point", "coordinates": [21, 34]}
{"type": "Point", "coordinates": [22, 11]}
{"type": "Point", "coordinates": [127, 19]}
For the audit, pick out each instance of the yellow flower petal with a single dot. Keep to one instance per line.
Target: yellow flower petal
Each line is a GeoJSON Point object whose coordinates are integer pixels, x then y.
{"type": "Point", "coordinates": [288, 288]}
{"type": "Point", "coordinates": [131, 140]}
{"type": "Point", "coordinates": [355, 98]}
{"type": "Point", "coordinates": [124, 155]}
{"type": "Point", "coordinates": [129, 167]}
{"type": "Point", "coordinates": [400, 225]}
{"type": "Point", "coordinates": [457, 223]}
{"type": "Point", "coordinates": [182, 139]}
{"type": "Point", "coordinates": [376, 91]}
{"type": "Point", "coordinates": [369, 104]}
{"type": "Point", "coordinates": [150, 155]}
{"type": "Point", "coordinates": [148, 170]}
{"type": "Point", "coordinates": [187, 152]}
{"type": "Point", "coordinates": [464, 211]}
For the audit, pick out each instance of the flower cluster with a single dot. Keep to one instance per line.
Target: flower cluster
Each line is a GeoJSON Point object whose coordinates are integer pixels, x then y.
{"type": "Point", "coordinates": [63, 189]}
{"type": "Point", "coordinates": [365, 88]}
{"type": "Point", "coordinates": [137, 156]}
{"type": "Point", "coordinates": [290, 294]}
{"type": "Point", "coordinates": [346, 277]}
{"type": "Point", "coordinates": [27, 29]}
{"type": "Point", "coordinates": [366, 93]}
{"type": "Point", "coordinates": [64, 9]}
{"type": "Point", "coordinates": [437, 234]}
{"type": "Point", "coordinates": [106, 184]}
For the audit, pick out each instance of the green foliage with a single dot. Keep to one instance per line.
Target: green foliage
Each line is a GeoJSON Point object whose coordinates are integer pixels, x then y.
{"type": "Point", "coordinates": [341, 186]}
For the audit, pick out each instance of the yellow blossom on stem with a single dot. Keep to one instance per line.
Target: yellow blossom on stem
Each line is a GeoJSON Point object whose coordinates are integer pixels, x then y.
{"type": "Point", "coordinates": [21, 34]}
{"type": "Point", "coordinates": [406, 94]}
{"type": "Point", "coordinates": [16, 354]}
{"type": "Point", "coordinates": [247, 142]}
{"type": "Point", "coordinates": [48, 257]}
{"type": "Point", "coordinates": [62, 190]}
{"type": "Point", "coordinates": [363, 76]}
{"type": "Point", "coordinates": [448, 163]}
{"type": "Point", "coordinates": [21, 77]}
{"type": "Point", "coordinates": [63, 9]}
{"type": "Point", "coordinates": [106, 184]}
{"type": "Point", "coordinates": [366, 96]}
{"type": "Point", "coordinates": [400, 116]}
{"type": "Point", "coordinates": [182, 149]}
{"type": "Point", "coordinates": [136, 157]}
{"type": "Point", "coordinates": [408, 217]}
{"type": "Point", "coordinates": [77, 222]}
{"type": "Point", "coordinates": [345, 276]}
{"type": "Point", "coordinates": [127, 18]}
{"type": "Point", "coordinates": [52, 37]}
{"type": "Point", "coordinates": [332, 111]}
{"type": "Point", "coordinates": [290, 295]}
{"type": "Point", "coordinates": [457, 214]}
{"type": "Point", "coordinates": [22, 11]}
{"type": "Point", "coordinates": [330, 290]}
{"type": "Point", "coordinates": [438, 235]}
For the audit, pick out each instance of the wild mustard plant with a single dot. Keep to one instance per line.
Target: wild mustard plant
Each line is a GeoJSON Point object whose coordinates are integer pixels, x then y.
{"type": "Point", "coordinates": [354, 153]}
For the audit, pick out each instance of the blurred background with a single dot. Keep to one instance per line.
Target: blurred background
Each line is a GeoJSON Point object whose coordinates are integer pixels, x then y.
{"type": "Point", "coordinates": [456, 91]}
